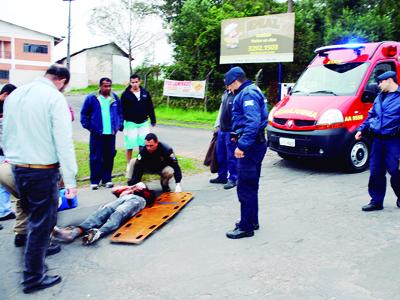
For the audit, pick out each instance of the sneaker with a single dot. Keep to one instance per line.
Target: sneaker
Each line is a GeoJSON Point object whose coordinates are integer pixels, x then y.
{"type": "Point", "coordinates": [9, 216]}
{"type": "Point", "coordinates": [94, 186]}
{"type": "Point", "coordinates": [109, 185]}
{"type": "Point", "coordinates": [67, 234]}
{"type": "Point", "coordinates": [91, 236]}
{"type": "Point", "coordinates": [230, 184]}
{"type": "Point", "coordinates": [218, 180]}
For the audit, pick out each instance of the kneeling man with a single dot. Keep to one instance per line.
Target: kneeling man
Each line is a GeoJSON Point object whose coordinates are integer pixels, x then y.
{"type": "Point", "coordinates": [155, 158]}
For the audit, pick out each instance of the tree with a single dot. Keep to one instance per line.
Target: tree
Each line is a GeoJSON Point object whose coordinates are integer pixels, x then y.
{"type": "Point", "coordinates": [122, 21]}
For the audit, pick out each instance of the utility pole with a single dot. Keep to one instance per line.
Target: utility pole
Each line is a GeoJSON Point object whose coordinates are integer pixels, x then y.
{"type": "Point", "coordinates": [290, 6]}
{"type": "Point", "coordinates": [69, 35]}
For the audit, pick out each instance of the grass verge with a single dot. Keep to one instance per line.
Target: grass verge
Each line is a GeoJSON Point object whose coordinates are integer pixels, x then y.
{"type": "Point", "coordinates": [188, 166]}
{"type": "Point", "coordinates": [185, 118]}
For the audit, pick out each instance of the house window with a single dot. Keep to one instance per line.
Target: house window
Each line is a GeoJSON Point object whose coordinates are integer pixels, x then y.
{"type": "Point", "coordinates": [33, 48]}
{"type": "Point", "coordinates": [4, 74]}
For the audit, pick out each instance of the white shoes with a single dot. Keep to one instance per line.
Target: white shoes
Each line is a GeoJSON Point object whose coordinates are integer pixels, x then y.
{"type": "Point", "coordinates": [94, 186]}
{"type": "Point", "coordinates": [109, 185]}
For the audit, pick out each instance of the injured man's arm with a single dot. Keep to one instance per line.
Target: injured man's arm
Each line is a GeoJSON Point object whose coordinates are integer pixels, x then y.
{"type": "Point", "coordinates": [109, 217]}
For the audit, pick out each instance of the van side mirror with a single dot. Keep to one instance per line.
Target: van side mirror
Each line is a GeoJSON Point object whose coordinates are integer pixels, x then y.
{"type": "Point", "coordinates": [370, 93]}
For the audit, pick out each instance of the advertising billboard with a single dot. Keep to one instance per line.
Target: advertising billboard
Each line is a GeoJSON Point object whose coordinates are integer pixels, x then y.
{"type": "Point", "coordinates": [259, 39]}
{"type": "Point", "coordinates": [189, 89]}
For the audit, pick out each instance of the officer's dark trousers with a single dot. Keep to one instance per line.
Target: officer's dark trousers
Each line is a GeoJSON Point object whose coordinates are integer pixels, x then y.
{"type": "Point", "coordinates": [102, 153]}
{"type": "Point", "coordinates": [249, 169]}
{"type": "Point", "coordinates": [39, 194]}
{"type": "Point", "coordinates": [225, 156]}
{"type": "Point", "coordinates": [385, 155]}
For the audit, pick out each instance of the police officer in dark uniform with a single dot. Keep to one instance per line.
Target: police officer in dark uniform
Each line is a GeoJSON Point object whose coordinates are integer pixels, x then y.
{"type": "Point", "coordinates": [155, 158]}
{"type": "Point", "coordinates": [249, 119]}
{"type": "Point", "coordinates": [383, 126]}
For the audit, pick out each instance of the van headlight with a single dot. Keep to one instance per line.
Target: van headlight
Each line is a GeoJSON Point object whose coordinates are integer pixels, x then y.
{"type": "Point", "coordinates": [271, 114]}
{"type": "Point", "coordinates": [331, 116]}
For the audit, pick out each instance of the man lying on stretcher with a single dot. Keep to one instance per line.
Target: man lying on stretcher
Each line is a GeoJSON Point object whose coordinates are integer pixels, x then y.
{"type": "Point", "coordinates": [109, 217]}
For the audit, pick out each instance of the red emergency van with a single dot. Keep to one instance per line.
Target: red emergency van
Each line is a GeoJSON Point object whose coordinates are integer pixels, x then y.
{"type": "Point", "coordinates": [332, 97]}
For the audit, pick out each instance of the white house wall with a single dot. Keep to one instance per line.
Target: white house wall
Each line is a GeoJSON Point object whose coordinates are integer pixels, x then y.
{"type": "Point", "coordinates": [120, 70]}
{"type": "Point", "coordinates": [79, 74]}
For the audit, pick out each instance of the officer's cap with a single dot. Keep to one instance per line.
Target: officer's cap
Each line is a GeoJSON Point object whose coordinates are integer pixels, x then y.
{"type": "Point", "coordinates": [386, 75]}
{"type": "Point", "coordinates": [233, 74]}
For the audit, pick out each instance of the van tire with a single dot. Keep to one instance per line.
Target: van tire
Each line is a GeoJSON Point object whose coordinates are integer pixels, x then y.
{"type": "Point", "coordinates": [357, 156]}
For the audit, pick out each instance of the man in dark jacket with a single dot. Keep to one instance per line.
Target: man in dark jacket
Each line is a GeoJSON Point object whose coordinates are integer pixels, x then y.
{"type": "Point", "coordinates": [137, 107]}
{"type": "Point", "coordinates": [383, 125]}
{"type": "Point", "coordinates": [225, 147]}
{"type": "Point", "coordinates": [156, 158]}
{"type": "Point", "coordinates": [249, 119]}
{"type": "Point", "coordinates": [101, 115]}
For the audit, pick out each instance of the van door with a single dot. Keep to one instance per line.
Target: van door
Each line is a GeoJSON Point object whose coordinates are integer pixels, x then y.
{"type": "Point", "coordinates": [371, 89]}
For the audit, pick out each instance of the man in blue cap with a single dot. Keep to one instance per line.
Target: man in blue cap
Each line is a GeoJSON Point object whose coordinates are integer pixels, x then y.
{"type": "Point", "coordinates": [249, 119]}
{"type": "Point", "coordinates": [383, 125]}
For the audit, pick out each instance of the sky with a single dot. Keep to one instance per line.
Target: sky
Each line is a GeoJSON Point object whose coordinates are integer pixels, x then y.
{"type": "Point", "coordinates": [51, 17]}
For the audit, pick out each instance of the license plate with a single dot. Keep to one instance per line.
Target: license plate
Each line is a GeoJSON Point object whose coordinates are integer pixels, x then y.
{"type": "Point", "coordinates": [287, 142]}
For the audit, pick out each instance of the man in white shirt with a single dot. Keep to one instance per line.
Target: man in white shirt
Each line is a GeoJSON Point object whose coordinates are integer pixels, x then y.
{"type": "Point", "coordinates": [37, 140]}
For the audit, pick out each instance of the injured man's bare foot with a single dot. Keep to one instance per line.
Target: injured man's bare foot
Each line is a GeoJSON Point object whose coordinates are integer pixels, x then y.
{"type": "Point", "coordinates": [67, 234]}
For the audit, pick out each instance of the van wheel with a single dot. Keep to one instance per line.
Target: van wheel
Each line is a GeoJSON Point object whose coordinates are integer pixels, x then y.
{"type": "Point", "coordinates": [357, 156]}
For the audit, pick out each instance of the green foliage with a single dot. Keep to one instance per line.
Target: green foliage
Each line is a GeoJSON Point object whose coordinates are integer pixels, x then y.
{"type": "Point", "coordinates": [179, 116]}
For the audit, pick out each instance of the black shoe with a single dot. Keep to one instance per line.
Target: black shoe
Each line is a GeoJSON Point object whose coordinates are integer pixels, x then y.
{"type": "Point", "coordinates": [398, 202]}
{"type": "Point", "coordinates": [53, 249]}
{"type": "Point", "coordinates": [218, 180]}
{"type": "Point", "coordinates": [20, 240]}
{"type": "Point", "coordinates": [237, 233]}
{"type": "Point", "coordinates": [10, 216]}
{"type": "Point", "coordinates": [231, 184]}
{"type": "Point", "coordinates": [1, 227]}
{"type": "Point", "coordinates": [255, 226]}
{"type": "Point", "coordinates": [372, 207]}
{"type": "Point", "coordinates": [47, 282]}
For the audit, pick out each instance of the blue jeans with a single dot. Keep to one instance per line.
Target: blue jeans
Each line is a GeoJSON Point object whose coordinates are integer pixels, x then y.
{"type": "Point", "coordinates": [249, 170]}
{"type": "Point", "coordinates": [5, 202]}
{"type": "Point", "coordinates": [225, 156]}
{"type": "Point", "coordinates": [38, 190]}
{"type": "Point", "coordinates": [385, 156]}
{"type": "Point", "coordinates": [102, 152]}
{"type": "Point", "coordinates": [110, 217]}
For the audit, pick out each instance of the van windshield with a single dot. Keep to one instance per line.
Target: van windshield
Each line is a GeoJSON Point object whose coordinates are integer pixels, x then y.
{"type": "Point", "coordinates": [331, 79]}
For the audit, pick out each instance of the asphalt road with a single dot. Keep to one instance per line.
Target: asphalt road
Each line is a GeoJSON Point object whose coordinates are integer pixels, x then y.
{"type": "Point", "coordinates": [314, 243]}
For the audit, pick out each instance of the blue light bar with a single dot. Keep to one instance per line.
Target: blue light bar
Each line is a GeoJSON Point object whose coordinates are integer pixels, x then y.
{"type": "Point", "coordinates": [356, 47]}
